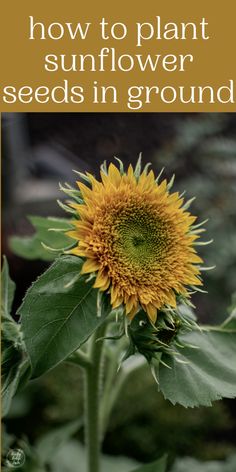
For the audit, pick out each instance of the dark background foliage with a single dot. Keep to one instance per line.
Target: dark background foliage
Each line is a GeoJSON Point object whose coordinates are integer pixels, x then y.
{"type": "Point", "coordinates": [40, 149]}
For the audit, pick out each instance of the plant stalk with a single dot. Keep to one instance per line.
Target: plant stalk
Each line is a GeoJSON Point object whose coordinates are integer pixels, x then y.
{"type": "Point", "coordinates": [93, 377]}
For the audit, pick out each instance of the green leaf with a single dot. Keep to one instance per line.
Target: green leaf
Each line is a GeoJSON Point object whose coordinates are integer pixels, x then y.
{"type": "Point", "coordinates": [185, 464]}
{"type": "Point", "coordinates": [53, 440]}
{"type": "Point", "coordinates": [11, 359]}
{"type": "Point", "coordinates": [47, 233]}
{"type": "Point", "coordinates": [7, 291]}
{"type": "Point", "coordinates": [13, 364]}
{"type": "Point", "coordinates": [72, 456]}
{"type": "Point", "coordinates": [59, 313]}
{"type": "Point", "coordinates": [12, 332]}
{"type": "Point", "coordinates": [156, 466]}
{"type": "Point", "coordinates": [199, 376]}
{"type": "Point", "coordinates": [15, 371]}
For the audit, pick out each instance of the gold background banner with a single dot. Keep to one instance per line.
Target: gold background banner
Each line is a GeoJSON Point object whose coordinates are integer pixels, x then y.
{"type": "Point", "coordinates": [213, 64]}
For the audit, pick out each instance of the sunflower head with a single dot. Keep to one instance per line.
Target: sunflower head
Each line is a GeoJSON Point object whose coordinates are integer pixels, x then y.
{"type": "Point", "coordinates": [136, 237]}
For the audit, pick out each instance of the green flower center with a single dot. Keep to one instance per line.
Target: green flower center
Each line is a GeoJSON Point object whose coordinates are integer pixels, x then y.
{"type": "Point", "coordinates": [138, 241]}
{"type": "Point", "coordinates": [141, 238]}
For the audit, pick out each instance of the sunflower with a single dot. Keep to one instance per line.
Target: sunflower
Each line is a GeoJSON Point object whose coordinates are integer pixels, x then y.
{"type": "Point", "coordinates": [137, 238]}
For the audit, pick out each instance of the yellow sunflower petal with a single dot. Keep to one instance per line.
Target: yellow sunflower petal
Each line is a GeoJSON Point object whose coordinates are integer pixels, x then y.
{"type": "Point", "coordinates": [152, 312]}
{"type": "Point", "coordinates": [101, 280]}
{"type": "Point", "coordinates": [86, 192]}
{"type": "Point", "coordinates": [90, 266]}
{"type": "Point", "coordinates": [72, 234]}
{"type": "Point", "coordinates": [114, 175]}
{"type": "Point", "coordinates": [77, 252]}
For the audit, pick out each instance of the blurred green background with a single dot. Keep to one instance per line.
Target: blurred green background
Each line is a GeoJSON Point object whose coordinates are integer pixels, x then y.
{"type": "Point", "coordinates": [39, 150]}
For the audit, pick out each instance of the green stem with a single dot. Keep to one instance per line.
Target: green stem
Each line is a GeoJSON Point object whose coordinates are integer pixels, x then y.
{"type": "Point", "coordinates": [111, 383]}
{"type": "Point", "coordinates": [220, 329]}
{"type": "Point", "coordinates": [93, 374]}
{"type": "Point", "coordinates": [113, 387]}
{"type": "Point", "coordinates": [79, 358]}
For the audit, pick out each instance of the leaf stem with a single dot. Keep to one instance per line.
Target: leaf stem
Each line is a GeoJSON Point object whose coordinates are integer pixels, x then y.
{"type": "Point", "coordinates": [219, 329]}
{"type": "Point", "coordinates": [115, 383]}
{"type": "Point", "coordinates": [111, 384]}
{"type": "Point", "coordinates": [79, 358]}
